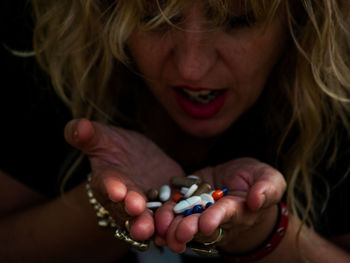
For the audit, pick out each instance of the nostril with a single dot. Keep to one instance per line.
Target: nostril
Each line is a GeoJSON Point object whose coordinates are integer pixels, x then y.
{"type": "Point", "coordinates": [194, 67]}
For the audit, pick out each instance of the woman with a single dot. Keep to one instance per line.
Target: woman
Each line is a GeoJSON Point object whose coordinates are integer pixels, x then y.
{"type": "Point", "coordinates": [250, 96]}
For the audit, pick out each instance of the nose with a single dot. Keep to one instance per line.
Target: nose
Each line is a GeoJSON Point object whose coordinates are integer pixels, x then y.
{"type": "Point", "coordinates": [194, 48]}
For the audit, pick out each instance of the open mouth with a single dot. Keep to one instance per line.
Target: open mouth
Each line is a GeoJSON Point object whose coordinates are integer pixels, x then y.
{"type": "Point", "coordinates": [200, 96]}
{"type": "Point", "coordinates": [200, 103]}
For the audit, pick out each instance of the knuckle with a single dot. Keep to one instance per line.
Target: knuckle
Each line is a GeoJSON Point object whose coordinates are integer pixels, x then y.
{"type": "Point", "coordinates": [250, 222]}
{"type": "Point", "coordinates": [273, 190]}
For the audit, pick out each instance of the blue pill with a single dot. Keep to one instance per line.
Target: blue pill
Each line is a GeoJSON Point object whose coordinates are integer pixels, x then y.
{"type": "Point", "coordinates": [181, 199]}
{"type": "Point", "coordinates": [208, 204]}
{"type": "Point", "coordinates": [197, 209]}
{"type": "Point", "coordinates": [187, 212]}
{"type": "Point", "coordinates": [224, 190]}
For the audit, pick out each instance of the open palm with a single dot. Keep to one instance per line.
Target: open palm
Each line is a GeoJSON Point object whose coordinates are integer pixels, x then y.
{"type": "Point", "coordinates": [247, 214]}
{"type": "Point", "coordinates": [125, 164]}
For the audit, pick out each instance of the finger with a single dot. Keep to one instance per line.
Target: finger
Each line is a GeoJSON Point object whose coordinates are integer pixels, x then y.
{"type": "Point", "coordinates": [228, 210]}
{"type": "Point", "coordinates": [171, 240]}
{"type": "Point", "coordinates": [81, 134]}
{"type": "Point", "coordinates": [110, 185]}
{"type": "Point", "coordinates": [135, 203]}
{"type": "Point", "coordinates": [160, 241]}
{"type": "Point", "coordinates": [163, 218]}
{"type": "Point", "coordinates": [187, 228]}
{"type": "Point", "coordinates": [201, 238]}
{"type": "Point", "coordinates": [267, 190]}
{"type": "Point", "coordinates": [115, 188]}
{"type": "Point", "coordinates": [142, 227]}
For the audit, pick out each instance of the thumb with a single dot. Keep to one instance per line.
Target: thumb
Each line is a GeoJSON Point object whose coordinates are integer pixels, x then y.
{"type": "Point", "coordinates": [268, 190]}
{"type": "Point", "coordinates": [81, 134]}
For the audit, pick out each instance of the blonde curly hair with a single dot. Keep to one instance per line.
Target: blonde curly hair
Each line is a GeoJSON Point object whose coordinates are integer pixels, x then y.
{"type": "Point", "coordinates": [80, 44]}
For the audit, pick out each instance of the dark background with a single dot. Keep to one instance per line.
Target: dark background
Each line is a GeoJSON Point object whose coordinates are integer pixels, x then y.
{"type": "Point", "coordinates": [32, 117]}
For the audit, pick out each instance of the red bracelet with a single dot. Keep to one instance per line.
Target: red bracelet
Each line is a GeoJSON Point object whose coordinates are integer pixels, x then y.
{"type": "Point", "coordinates": [270, 243]}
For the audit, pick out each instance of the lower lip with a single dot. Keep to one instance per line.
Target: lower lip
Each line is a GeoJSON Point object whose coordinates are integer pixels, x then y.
{"type": "Point", "coordinates": [201, 111]}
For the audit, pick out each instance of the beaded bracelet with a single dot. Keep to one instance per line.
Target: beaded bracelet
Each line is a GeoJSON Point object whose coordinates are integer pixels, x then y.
{"type": "Point", "coordinates": [103, 216]}
{"type": "Point", "coordinates": [269, 244]}
{"type": "Point", "coordinates": [105, 221]}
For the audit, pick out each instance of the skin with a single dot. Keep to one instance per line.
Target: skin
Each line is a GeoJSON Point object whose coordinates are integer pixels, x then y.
{"type": "Point", "coordinates": [248, 213]}
{"type": "Point", "coordinates": [122, 170]}
{"type": "Point", "coordinates": [64, 229]}
{"type": "Point", "coordinates": [241, 61]}
{"type": "Point", "coordinates": [238, 59]}
{"type": "Point", "coordinates": [254, 188]}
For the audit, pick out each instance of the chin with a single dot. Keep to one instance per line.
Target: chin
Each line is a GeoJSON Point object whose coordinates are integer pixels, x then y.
{"type": "Point", "coordinates": [204, 130]}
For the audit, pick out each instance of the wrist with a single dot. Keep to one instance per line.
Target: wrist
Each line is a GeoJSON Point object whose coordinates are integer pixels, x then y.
{"type": "Point", "coordinates": [265, 247]}
{"type": "Point", "coordinates": [105, 220]}
{"type": "Point", "coordinates": [252, 238]}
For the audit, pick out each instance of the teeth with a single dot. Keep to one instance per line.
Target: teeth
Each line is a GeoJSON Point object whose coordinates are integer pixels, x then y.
{"type": "Point", "coordinates": [202, 96]}
{"type": "Point", "coordinates": [197, 93]}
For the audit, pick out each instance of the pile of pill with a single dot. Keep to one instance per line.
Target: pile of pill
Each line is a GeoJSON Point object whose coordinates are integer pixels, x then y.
{"type": "Point", "coordinates": [194, 197]}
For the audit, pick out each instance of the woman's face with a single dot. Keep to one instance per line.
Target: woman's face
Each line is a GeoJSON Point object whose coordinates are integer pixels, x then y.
{"type": "Point", "coordinates": [204, 78]}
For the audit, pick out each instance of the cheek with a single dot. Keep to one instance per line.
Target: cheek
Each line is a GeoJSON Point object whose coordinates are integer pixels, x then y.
{"type": "Point", "coordinates": [256, 58]}
{"type": "Point", "coordinates": [147, 54]}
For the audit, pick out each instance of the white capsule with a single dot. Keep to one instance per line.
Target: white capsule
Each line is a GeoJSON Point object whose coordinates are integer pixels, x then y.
{"type": "Point", "coordinates": [191, 190]}
{"type": "Point", "coordinates": [186, 204]}
{"type": "Point", "coordinates": [206, 198]}
{"type": "Point", "coordinates": [193, 176]}
{"type": "Point", "coordinates": [184, 190]}
{"type": "Point", "coordinates": [180, 207]}
{"type": "Point", "coordinates": [151, 205]}
{"type": "Point", "coordinates": [164, 193]}
{"type": "Point", "coordinates": [194, 200]}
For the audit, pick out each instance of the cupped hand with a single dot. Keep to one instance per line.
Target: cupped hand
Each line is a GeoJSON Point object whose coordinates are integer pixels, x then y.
{"type": "Point", "coordinates": [247, 214]}
{"type": "Point", "coordinates": [124, 164]}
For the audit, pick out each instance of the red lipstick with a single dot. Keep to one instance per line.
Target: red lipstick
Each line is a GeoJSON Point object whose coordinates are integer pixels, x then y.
{"type": "Point", "coordinates": [199, 110]}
